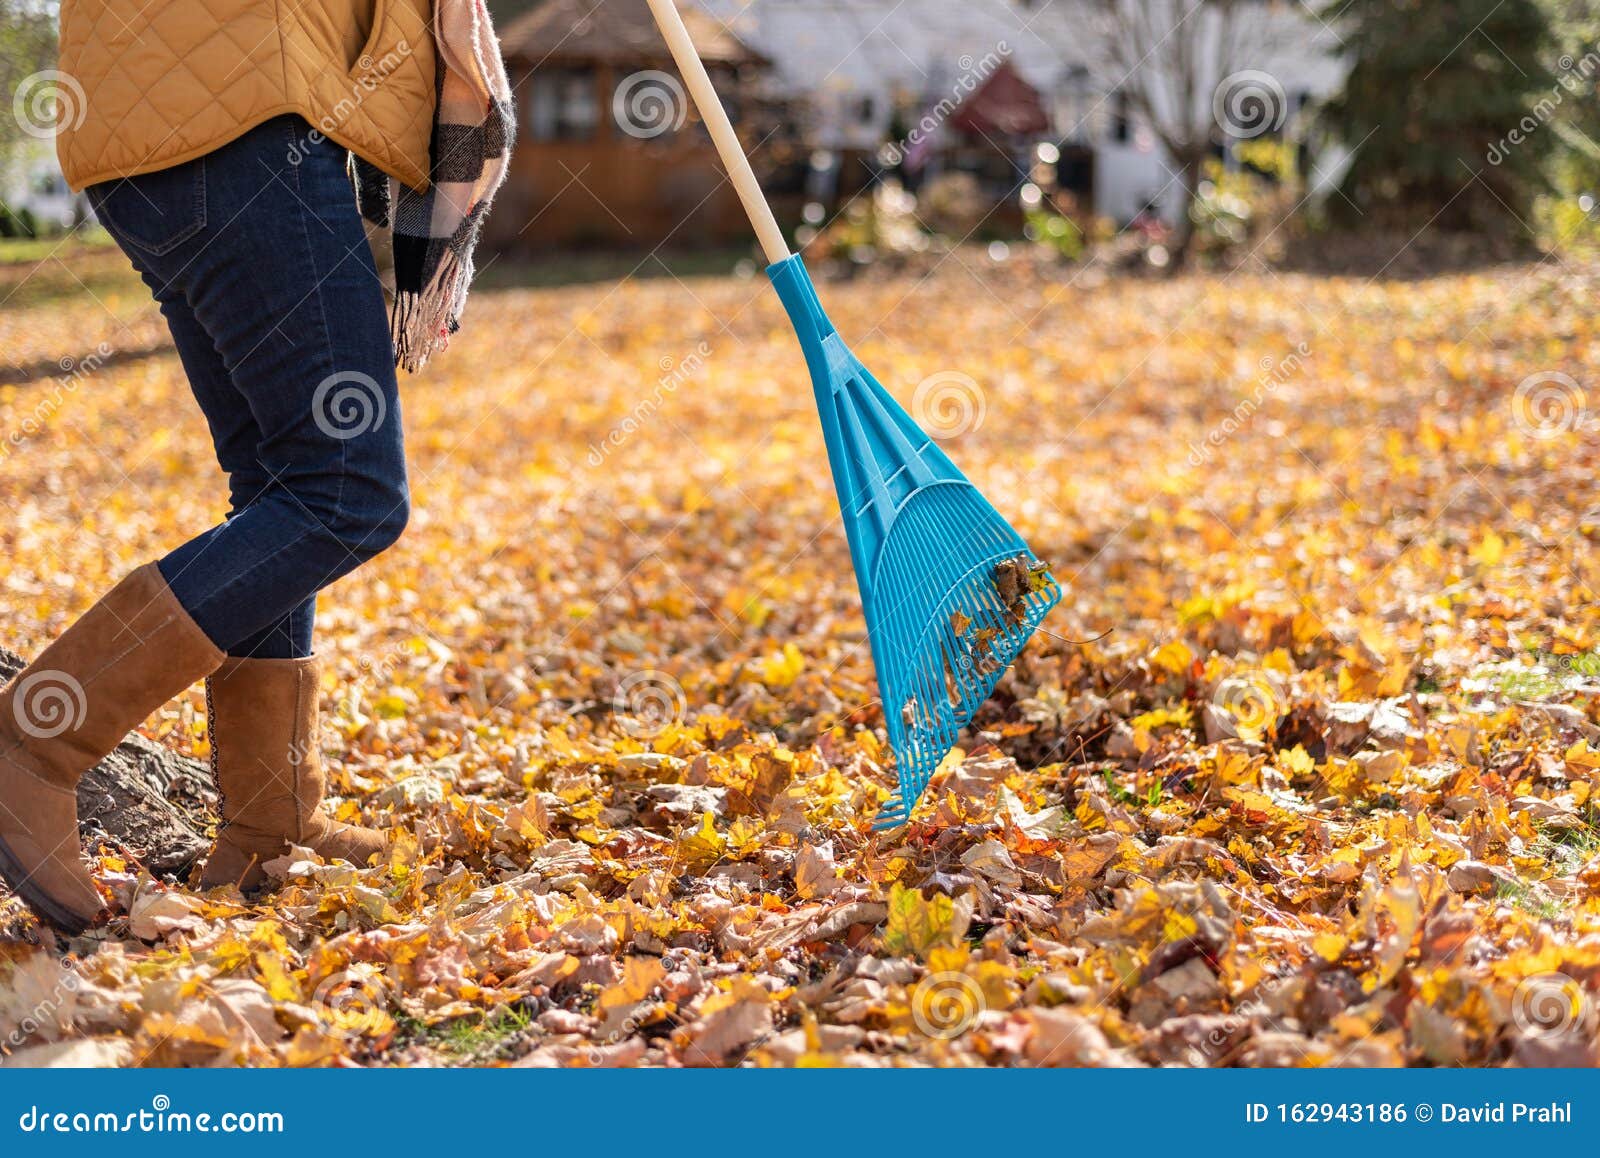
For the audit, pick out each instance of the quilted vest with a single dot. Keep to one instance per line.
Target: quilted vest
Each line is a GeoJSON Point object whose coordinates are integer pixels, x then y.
{"type": "Point", "coordinates": [159, 82]}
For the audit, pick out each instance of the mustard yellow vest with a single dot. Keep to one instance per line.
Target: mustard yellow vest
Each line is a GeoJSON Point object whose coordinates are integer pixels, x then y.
{"type": "Point", "coordinates": [153, 83]}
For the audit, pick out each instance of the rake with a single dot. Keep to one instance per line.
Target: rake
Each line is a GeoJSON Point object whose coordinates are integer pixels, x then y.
{"type": "Point", "coordinates": [950, 591]}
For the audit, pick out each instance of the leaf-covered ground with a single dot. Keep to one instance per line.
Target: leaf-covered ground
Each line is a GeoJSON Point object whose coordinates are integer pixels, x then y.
{"type": "Point", "coordinates": [1321, 796]}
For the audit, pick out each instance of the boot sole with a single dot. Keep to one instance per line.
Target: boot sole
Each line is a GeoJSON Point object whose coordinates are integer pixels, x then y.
{"type": "Point", "coordinates": [41, 902]}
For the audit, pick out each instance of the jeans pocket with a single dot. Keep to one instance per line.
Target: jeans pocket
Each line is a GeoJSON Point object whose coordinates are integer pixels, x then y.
{"type": "Point", "coordinates": [154, 212]}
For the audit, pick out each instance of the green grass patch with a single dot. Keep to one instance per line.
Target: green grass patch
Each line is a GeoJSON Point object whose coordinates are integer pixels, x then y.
{"type": "Point", "coordinates": [465, 1038]}
{"type": "Point", "coordinates": [1541, 677]}
{"type": "Point", "coordinates": [1566, 850]}
{"type": "Point", "coordinates": [26, 250]}
{"type": "Point", "coordinates": [42, 272]}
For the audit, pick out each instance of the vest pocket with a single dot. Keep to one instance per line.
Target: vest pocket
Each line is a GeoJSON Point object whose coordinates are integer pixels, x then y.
{"type": "Point", "coordinates": [155, 212]}
{"type": "Point", "coordinates": [372, 61]}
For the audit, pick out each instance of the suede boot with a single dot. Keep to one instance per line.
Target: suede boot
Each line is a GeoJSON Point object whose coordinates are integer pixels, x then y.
{"type": "Point", "coordinates": [264, 728]}
{"type": "Point", "coordinates": [129, 654]}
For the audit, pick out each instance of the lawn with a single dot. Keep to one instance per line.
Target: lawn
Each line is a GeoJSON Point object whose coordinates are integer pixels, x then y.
{"type": "Point", "coordinates": [1319, 790]}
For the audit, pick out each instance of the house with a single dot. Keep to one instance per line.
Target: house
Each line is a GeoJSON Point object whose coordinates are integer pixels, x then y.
{"type": "Point", "coordinates": [875, 81]}
{"type": "Point", "coordinates": [1284, 54]}
{"type": "Point", "coordinates": [609, 149]}
{"type": "Point", "coordinates": [868, 73]}
{"type": "Point", "coordinates": [832, 94]}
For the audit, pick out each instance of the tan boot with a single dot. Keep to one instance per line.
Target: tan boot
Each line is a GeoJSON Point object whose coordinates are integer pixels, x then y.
{"type": "Point", "coordinates": [264, 728]}
{"type": "Point", "coordinates": [63, 713]}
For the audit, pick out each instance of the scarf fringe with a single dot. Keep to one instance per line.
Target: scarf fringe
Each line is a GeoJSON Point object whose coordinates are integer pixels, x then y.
{"type": "Point", "coordinates": [421, 324]}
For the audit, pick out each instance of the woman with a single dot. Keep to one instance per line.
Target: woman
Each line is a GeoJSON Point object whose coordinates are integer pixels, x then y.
{"type": "Point", "coordinates": [196, 144]}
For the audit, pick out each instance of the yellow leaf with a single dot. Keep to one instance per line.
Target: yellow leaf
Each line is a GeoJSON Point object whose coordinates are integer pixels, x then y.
{"type": "Point", "coordinates": [705, 845]}
{"type": "Point", "coordinates": [1174, 657]}
{"type": "Point", "coordinates": [918, 925]}
{"type": "Point", "coordinates": [1490, 550]}
{"type": "Point", "coordinates": [781, 670]}
{"type": "Point", "coordinates": [1297, 761]}
{"type": "Point", "coordinates": [639, 976]}
{"type": "Point", "coordinates": [1329, 946]}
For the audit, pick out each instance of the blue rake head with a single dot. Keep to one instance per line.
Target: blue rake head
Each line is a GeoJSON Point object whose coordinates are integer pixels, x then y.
{"type": "Point", "coordinates": [950, 591]}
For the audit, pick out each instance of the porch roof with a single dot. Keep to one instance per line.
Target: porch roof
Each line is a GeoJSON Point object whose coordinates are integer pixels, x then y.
{"type": "Point", "coordinates": [615, 32]}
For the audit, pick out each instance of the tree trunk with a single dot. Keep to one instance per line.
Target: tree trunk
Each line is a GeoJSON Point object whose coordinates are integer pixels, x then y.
{"type": "Point", "coordinates": [1183, 231]}
{"type": "Point", "coordinates": [154, 803]}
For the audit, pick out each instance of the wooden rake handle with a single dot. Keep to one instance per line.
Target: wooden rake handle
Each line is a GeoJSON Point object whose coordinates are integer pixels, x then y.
{"type": "Point", "coordinates": [721, 129]}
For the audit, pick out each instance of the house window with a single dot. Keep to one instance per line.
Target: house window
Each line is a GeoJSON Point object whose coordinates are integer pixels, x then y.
{"type": "Point", "coordinates": [866, 110]}
{"type": "Point", "coordinates": [1121, 131]}
{"type": "Point", "coordinates": [562, 105]}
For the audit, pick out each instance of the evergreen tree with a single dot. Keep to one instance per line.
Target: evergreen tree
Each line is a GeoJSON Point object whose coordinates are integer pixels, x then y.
{"type": "Point", "coordinates": [1446, 105]}
{"type": "Point", "coordinates": [1571, 218]}
{"type": "Point", "coordinates": [27, 46]}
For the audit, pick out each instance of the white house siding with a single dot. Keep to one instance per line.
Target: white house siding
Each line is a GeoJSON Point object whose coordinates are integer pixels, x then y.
{"type": "Point", "coordinates": [848, 62]}
{"type": "Point", "coordinates": [31, 179]}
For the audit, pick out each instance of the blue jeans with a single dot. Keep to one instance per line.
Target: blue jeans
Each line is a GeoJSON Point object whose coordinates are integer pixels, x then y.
{"type": "Point", "coordinates": [260, 262]}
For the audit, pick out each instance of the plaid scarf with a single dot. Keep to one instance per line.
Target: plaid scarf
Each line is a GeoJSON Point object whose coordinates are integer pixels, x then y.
{"type": "Point", "coordinates": [433, 233]}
